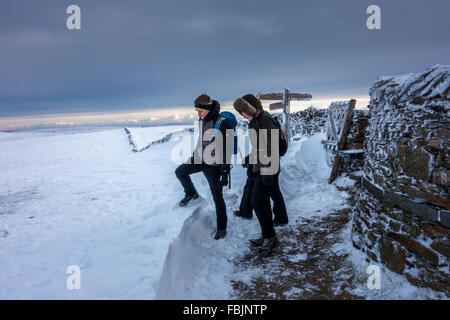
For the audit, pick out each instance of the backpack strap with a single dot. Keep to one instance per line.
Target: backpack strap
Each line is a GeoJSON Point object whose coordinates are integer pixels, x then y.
{"type": "Point", "coordinates": [217, 125]}
{"type": "Point", "coordinates": [275, 121]}
{"type": "Point", "coordinates": [219, 122]}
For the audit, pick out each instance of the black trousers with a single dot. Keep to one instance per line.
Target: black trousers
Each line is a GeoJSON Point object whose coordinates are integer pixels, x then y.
{"type": "Point", "coordinates": [279, 207]}
{"type": "Point", "coordinates": [212, 174]}
{"type": "Point", "coordinates": [261, 204]}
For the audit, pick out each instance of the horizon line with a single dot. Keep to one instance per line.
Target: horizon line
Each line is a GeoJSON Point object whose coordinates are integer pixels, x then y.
{"type": "Point", "coordinates": [143, 116]}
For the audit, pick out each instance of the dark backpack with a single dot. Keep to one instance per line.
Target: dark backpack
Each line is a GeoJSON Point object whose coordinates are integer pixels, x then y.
{"type": "Point", "coordinates": [283, 141]}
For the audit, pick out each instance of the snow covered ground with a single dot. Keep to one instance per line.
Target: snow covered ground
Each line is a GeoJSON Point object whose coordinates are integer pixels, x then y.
{"type": "Point", "coordinates": [86, 199]}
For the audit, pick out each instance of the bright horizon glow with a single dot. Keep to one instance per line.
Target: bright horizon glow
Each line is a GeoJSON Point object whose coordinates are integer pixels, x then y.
{"type": "Point", "coordinates": [160, 116]}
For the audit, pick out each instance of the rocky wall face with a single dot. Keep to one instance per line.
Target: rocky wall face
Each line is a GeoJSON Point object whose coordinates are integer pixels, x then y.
{"type": "Point", "coordinates": [307, 122]}
{"type": "Point", "coordinates": [405, 243]}
{"type": "Point", "coordinates": [407, 145]}
{"type": "Point", "coordinates": [406, 168]}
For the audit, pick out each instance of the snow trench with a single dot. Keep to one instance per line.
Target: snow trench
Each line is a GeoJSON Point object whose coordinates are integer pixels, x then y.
{"type": "Point", "coordinates": [198, 267]}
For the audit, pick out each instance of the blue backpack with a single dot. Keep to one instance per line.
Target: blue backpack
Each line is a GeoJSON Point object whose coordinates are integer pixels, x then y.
{"type": "Point", "coordinates": [233, 123]}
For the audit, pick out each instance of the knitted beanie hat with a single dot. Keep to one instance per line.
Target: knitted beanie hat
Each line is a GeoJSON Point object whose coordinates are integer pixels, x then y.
{"type": "Point", "coordinates": [203, 103]}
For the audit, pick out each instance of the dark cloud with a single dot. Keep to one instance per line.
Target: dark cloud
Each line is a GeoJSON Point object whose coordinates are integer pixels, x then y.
{"type": "Point", "coordinates": [149, 54]}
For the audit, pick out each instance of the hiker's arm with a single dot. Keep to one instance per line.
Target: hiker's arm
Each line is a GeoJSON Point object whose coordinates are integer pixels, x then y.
{"type": "Point", "coordinates": [266, 148]}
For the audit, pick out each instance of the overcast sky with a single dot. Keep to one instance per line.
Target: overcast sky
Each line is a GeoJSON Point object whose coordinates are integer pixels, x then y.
{"type": "Point", "coordinates": [132, 55]}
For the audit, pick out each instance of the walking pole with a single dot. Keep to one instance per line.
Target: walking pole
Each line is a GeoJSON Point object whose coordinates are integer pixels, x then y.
{"type": "Point", "coordinates": [240, 153]}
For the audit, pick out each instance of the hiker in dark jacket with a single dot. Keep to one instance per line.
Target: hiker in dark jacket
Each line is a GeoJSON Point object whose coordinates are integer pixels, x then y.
{"type": "Point", "coordinates": [264, 166]}
{"type": "Point", "coordinates": [215, 169]}
{"type": "Point", "coordinates": [279, 207]}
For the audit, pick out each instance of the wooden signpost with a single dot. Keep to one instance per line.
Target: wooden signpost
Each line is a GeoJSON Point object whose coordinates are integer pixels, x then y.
{"type": "Point", "coordinates": [340, 114]}
{"type": "Point", "coordinates": [286, 97]}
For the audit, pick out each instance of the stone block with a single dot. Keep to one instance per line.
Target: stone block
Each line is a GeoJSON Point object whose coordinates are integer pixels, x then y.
{"type": "Point", "coordinates": [415, 247]}
{"type": "Point", "coordinates": [435, 143]}
{"type": "Point", "coordinates": [434, 230]}
{"type": "Point", "coordinates": [441, 177]}
{"type": "Point", "coordinates": [394, 225]}
{"type": "Point", "coordinates": [414, 162]}
{"type": "Point", "coordinates": [442, 246]}
{"type": "Point", "coordinates": [393, 256]}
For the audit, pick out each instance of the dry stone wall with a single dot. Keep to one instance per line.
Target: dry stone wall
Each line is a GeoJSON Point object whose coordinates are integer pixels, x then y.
{"type": "Point", "coordinates": [401, 215]}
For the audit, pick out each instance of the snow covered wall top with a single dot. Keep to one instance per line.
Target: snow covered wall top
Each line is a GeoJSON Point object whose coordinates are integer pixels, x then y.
{"type": "Point", "coordinates": [433, 83]}
{"type": "Point", "coordinates": [141, 138]}
{"type": "Point", "coordinates": [408, 137]}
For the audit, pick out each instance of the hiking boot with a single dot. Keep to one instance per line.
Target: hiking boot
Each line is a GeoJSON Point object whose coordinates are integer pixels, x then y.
{"type": "Point", "coordinates": [256, 242]}
{"type": "Point", "coordinates": [278, 223]}
{"type": "Point", "coordinates": [220, 234]}
{"type": "Point", "coordinates": [237, 213]}
{"type": "Point", "coordinates": [184, 202]}
{"type": "Point", "coordinates": [268, 245]}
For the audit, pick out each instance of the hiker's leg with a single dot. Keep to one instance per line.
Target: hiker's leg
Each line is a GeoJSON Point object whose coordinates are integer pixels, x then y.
{"type": "Point", "coordinates": [245, 208]}
{"type": "Point", "coordinates": [212, 174]}
{"type": "Point", "coordinates": [279, 207]}
{"type": "Point", "coordinates": [183, 172]}
{"type": "Point", "coordinates": [261, 205]}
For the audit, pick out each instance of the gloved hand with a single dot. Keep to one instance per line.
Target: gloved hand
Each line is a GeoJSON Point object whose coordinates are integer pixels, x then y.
{"type": "Point", "coordinates": [267, 180]}
{"type": "Point", "coordinates": [224, 172]}
{"type": "Point", "coordinates": [245, 162]}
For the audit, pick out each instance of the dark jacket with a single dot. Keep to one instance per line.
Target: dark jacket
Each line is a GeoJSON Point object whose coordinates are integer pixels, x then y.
{"type": "Point", "coordinates": [206, 129]}
{"type": "Point", "coordinates": [261, 121]}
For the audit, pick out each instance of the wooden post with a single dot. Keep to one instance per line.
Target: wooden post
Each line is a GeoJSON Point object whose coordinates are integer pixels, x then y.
{"type": "Point", "coordinates": [333, 127]}
{"type": "Point", "coordinates": [286, 111]}
{"type": "Point", "coordinates": [341, 139]}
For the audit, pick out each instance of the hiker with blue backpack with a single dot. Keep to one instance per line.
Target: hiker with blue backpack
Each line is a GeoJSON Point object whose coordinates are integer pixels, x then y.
{"type": "Point", "coordinates": [217, 133]}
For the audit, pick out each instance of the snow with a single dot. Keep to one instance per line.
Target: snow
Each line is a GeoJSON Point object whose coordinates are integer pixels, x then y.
{"type": "Point", "coordinates": [299, 257]}
{"type": "Point", "coordinates": [432, 83]}
{"type": "Point", "coordinates": [85, 199]}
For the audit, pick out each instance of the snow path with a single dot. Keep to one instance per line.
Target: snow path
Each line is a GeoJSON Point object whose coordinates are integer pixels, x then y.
{"type": "Point", "coordinates": [198, 267]}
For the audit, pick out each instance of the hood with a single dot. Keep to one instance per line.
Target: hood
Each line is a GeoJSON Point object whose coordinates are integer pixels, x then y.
{"type": "Point", "coordinates": [214, 113]}
{"type": "Point", "coordinates": [243, 106]}
{"type": "Point", "coordinates": [254, 101]}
